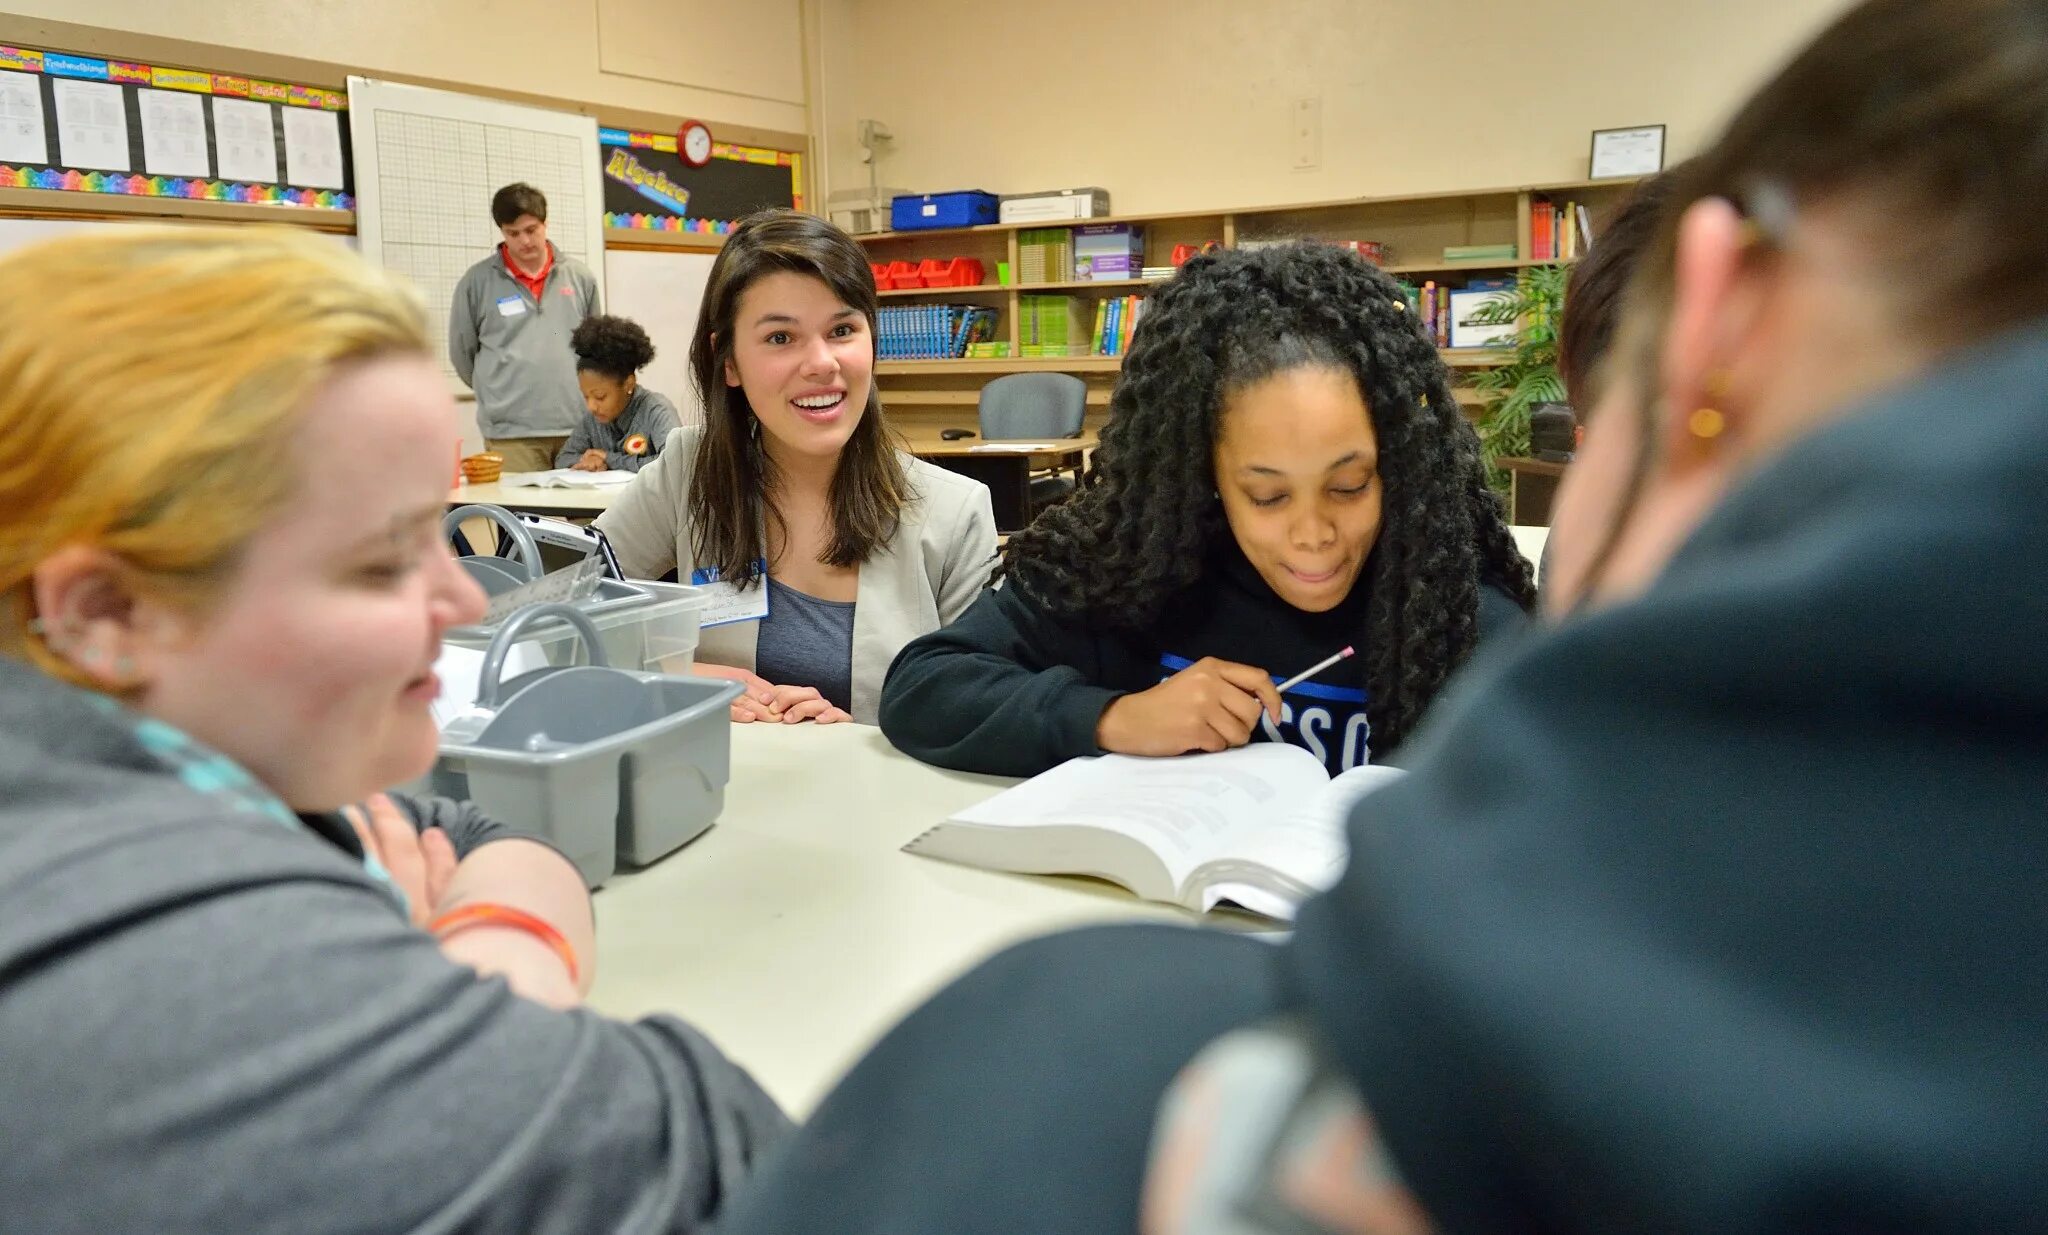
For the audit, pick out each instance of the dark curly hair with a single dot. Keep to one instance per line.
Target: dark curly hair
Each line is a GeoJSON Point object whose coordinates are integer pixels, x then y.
{"type": "Point", "coordinates": [1140, 528]}
{"type": "Point", "coordinates": [613, 346]}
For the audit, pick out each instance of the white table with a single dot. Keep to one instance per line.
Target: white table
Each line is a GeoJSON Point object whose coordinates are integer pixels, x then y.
{"type": "Point", "coordinates": [561, 502]}
{"type": "Point", "coordinates": [795, 932]}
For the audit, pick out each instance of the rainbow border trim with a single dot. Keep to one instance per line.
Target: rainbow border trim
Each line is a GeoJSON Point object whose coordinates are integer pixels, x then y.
{"type": "Point", "coordinates": [192, 81]}
{"type": "Point", "coordinates": [49, 178]}
{"type": "Point", "coordinates": [729, 151]}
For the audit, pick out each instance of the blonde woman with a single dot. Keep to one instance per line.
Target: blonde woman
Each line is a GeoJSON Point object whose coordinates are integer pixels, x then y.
{"type": "Point", "coordinates": [224, 1004]}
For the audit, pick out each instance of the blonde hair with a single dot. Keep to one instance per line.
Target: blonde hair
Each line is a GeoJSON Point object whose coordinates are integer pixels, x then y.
{"type": "Point", "coordinates": [151, 384]}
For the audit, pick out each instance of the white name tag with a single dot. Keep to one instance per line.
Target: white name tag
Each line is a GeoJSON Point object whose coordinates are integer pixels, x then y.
{"type": "Point", "coordinates": [729, 602]}
{"type": "Point", "coordinates": [511, 306]}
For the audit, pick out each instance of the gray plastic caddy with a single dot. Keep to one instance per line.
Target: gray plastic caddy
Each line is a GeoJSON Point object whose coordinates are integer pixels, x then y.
{"type": "Point", "coordinates": [609, 764]}
{"type": "Point", "coordinates": [499, 575]}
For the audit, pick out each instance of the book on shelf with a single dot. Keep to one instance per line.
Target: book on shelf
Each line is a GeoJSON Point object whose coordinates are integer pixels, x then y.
{"type": "Point", "coordinates": [1045, 255]}
{"type": "Point", "coordinates": [1261, 827]}
{"type": "Point", "coordinates": [1479, 253]}
{"type": "Point", "coordinates": [1106, 252]}
{"type": "Point", "coordinates": [932, 331]}
{"type": "Point", "coordinates": [1116, 322]}
{"type": "Point", "coordinates": [1559, 232]}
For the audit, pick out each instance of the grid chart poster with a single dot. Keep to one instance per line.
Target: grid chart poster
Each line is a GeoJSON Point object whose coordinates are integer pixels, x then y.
{"type": "Point", "coordinates": [427, 162]}
{"type": "Point", "coordinates": [79, 124]}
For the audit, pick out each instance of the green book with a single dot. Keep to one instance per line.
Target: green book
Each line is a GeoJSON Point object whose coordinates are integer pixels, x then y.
{"type": "Point", "coordinates": [1479, 252]}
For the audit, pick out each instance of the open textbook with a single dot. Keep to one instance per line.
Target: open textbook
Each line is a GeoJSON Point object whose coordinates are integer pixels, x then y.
{"type": "Point", "coordinates": [1260, 827]}
{"type": "Point", "coordinates": [565, 478]}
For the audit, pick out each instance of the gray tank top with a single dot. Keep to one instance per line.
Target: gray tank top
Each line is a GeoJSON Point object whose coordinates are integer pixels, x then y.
{"type": "Point", "coordinates": [805, 641]}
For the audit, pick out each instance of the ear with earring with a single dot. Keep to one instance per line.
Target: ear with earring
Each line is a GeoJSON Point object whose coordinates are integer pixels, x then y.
{"type": "Point", "coordinates": [1708, 422]}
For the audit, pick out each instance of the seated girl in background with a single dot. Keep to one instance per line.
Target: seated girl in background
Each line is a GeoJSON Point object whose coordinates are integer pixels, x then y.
{"type": "Point", "coordinates": [828, 547]}
{"type": "Point", "coordinates": [225, 1005]}
{"type": "Point", "coordinates": [628, 424]}
{"type": "Point", "coordinates": [1285, 473]}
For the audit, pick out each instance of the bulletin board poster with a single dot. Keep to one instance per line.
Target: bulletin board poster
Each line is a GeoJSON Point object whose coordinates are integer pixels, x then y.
{"type": "Point", "coordinates": [648, 187]}
{"type": "Point", "coordinates": [74, 124]}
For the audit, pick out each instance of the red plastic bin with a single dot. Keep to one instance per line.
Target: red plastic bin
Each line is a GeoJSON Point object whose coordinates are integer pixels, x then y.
{"type": "Point", "coordinates": [882, 281]}
{"type": "Point", "coordinates": [951, 272]}
{"type": "Point", "coordinates": [904, 275]}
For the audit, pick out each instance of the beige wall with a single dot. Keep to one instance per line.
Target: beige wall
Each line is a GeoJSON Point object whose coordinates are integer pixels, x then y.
{"type": "Point", "coordinates": [736, 66]}
{"type": "Point", "coordinates": [1185, 104]}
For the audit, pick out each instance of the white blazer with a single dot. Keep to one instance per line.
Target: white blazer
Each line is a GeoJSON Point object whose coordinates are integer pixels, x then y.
{"type": "Point", "coordinates": [924, 578]}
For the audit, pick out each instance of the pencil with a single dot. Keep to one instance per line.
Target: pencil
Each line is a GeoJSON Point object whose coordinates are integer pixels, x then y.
{"type": "Point", "coordinates": [1312, 670]}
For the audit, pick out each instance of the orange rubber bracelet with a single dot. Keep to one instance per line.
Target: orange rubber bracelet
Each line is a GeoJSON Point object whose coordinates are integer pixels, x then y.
{"type": "Point", "coordinates": [485, 913]}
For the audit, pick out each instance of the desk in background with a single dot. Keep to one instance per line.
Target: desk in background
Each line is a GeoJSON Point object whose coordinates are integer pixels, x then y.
{"type": "Point", "coordinates": [1532, 489]}
{"type": "Point", "coordinates": [1006, 471]}
{"type": "Point", "coordinates": [795, 932]}
{"type": "Point", "coordinates": [561, 503]}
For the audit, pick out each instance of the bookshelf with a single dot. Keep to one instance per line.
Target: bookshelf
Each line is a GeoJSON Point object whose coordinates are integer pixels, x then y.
{"type": "Point", "coordinates": [1417, 228]}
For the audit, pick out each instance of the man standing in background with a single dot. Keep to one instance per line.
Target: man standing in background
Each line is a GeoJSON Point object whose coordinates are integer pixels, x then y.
{"type": "Point", "coordinates": [508, 334]}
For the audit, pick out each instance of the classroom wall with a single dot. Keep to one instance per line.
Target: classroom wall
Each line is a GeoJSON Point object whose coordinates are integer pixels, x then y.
{"type": "Point", "coordinates": [739, 66]}
{"type": "Point", "coordinates": [1186, 104]}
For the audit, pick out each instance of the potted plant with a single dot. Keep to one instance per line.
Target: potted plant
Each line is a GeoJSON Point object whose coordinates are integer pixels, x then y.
{"type": "Point", "coordinates": [1529, 379]}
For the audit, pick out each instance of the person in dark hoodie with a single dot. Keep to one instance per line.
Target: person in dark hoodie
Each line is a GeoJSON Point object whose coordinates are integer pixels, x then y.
{"type": "Point", "coordinates": [230, 998]}
{"type": "Point", "coordinates": [1285, 474]}
{"type": "Point", "coordinates": [1717, 907]}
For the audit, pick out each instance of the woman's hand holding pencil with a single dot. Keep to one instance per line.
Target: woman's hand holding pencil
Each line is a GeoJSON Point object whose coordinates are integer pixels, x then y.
{"type": "Point", "coordinates": [1211, 705]}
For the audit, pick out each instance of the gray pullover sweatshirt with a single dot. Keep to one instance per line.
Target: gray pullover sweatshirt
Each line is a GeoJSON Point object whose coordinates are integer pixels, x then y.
{"type": "Point", "coordinates": [212, 1018]}
{"type": "Point", "coordinates": [513, 349]}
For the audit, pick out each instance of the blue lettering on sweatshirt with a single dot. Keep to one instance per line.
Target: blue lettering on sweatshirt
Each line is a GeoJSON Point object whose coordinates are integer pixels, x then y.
{"type": "Point", "coordinates": [1328, 722]}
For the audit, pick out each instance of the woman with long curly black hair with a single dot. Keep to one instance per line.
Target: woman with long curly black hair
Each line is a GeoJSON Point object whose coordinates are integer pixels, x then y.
{"type": "Point", "coordinates": [1285, 473]}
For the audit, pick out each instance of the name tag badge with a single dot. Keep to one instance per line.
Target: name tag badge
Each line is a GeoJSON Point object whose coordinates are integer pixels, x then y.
{"type": "Point", "coordinates": [511, 306]}
{"type": "Point", "coordinates": [729, 602]}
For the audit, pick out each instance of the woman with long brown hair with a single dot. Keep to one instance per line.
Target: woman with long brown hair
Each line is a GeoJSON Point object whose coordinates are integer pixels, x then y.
{"type": "Point", "coordinates": [827, 547]}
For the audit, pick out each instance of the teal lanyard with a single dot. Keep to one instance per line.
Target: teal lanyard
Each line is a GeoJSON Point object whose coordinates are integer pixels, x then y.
{"type": "Point", "coordinates": [211, 773]}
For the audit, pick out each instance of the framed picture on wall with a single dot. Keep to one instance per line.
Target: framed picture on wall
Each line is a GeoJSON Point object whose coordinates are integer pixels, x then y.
{"type": "Point", "coordinates": [1627, 152]}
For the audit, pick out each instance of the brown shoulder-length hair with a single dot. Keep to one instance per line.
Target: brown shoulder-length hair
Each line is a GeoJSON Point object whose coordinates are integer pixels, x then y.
{"type": "Point", "coordinates": [728, 503]}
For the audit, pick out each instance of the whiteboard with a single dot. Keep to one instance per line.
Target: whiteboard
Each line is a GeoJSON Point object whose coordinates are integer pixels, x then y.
{"type": "Point", "coordinates": [662, 291]}
{"type": "Point", "coordinates": [427, 162]}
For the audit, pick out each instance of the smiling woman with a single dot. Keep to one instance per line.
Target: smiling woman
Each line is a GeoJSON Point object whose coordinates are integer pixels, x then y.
{"type": "Point", "coordinates": [830, 548]}
{"type": "Point", "coordinates": [222, 592]}
{"type": "Point", "coordinates": [1285, 473]}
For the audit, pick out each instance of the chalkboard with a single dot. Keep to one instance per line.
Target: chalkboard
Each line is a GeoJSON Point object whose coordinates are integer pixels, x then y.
{"type": "Point", "coordinates": [647, 186]}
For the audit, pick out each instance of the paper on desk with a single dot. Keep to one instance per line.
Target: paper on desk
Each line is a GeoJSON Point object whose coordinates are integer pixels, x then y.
{"type": "Point", "coordinates": [564, 478]}
{"type": "Point", "coordinates": [461, 672]}
{"type": "Point", "coordinates": [1013, 448]}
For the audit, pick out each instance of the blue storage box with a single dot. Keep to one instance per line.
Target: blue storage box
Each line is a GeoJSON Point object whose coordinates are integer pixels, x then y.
{"type": "Point", "coordinates": [967, 208]}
